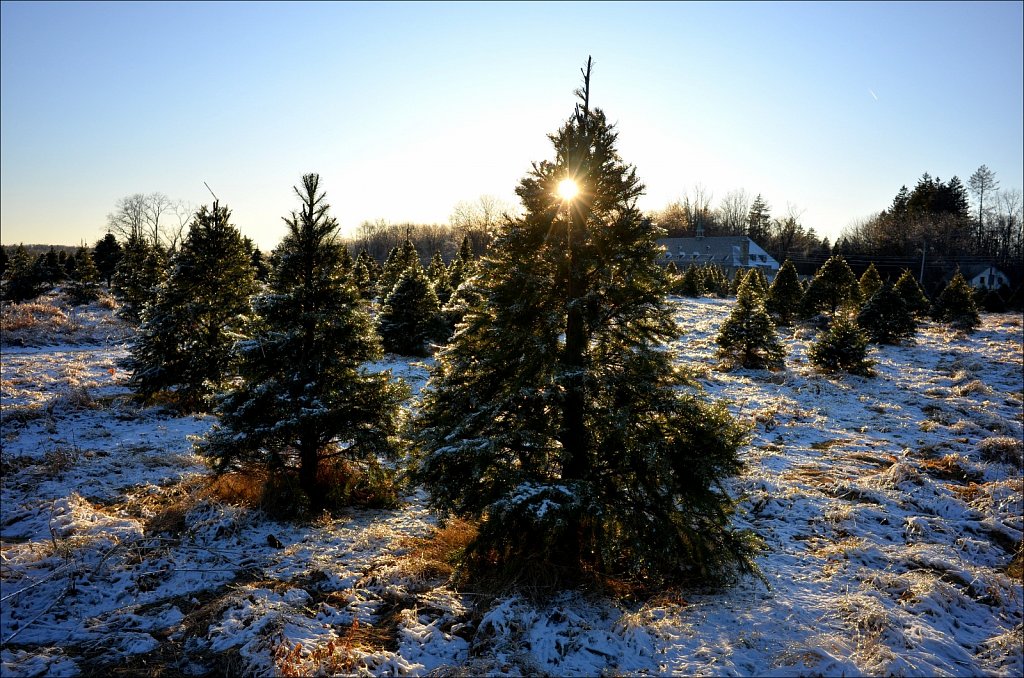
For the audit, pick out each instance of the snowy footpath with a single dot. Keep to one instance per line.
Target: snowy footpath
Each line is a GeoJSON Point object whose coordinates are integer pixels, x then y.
{"type": "Point", "coordinates": [891, 508]}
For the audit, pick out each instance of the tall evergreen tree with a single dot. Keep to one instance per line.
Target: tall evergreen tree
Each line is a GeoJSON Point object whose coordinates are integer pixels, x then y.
{"type": "Point", "coordinates": [912, 294]}
{"type": "Point", "coordinates": [304, 396]}
{"type": "Point", "coordinates": [748, 335]}
{"type": "Point", "coordinates": [184, 344]}
{"type": "Point", "coordinates": [5, 262]}
{"type": "Point", "coordinates": [886, 318]}
{"type": "Point", "coordinates": [870, 282]}
{"type": "Point", "coordinates": [833, 286]}
{"type": "Point", "coordinates": [956, 306]}
{"type": "Point", "coordinates": [785, 294]}
{"type": "Point", "coordinates": [554, 416]}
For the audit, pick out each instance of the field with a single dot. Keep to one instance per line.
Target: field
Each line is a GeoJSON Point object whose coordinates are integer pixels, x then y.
{"type": "Point", "coordinates": [891, 508]}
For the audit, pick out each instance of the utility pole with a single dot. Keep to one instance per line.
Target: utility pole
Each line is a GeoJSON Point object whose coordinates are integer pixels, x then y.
{"type": "Point", "coordinates": [920, 278]}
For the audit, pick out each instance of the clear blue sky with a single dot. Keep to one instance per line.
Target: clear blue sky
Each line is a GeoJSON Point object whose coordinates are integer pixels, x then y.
{"type": "Point", "coordinates": [407, 109]}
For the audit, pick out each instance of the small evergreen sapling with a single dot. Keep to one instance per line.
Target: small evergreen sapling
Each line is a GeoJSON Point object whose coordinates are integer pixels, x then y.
{"type": "Point", "coordinates": [956, 307]}
{"type": "Point", "coordinates": [912, 294]}
{"type": "Point", "coordinates": [870, 282]}
{"type": "Point", "coordinates": [785, 294]}
{"type": "Point", "coordinates": [842, 348]}
{"type": "Point", "coordinates": [886, 318]}
{"type": "Point", "coordinates": [748, 335]}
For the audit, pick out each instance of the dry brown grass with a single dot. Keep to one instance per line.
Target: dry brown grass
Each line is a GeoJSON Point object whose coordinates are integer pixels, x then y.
{"type": "Point", "coordinates": [947, 468]}
{"type": "Point", "coordinates": [1002, 449]}
{"type": "Point", "coordinates": [31, 315]}
{"type": "Point", "coordinates": [437, 555]}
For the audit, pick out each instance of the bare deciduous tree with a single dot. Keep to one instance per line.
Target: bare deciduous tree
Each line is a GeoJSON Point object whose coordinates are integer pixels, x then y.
{"type": "Point", "coordinates": [154, 218]}
{"type": "Point", "coordinates": [732, 212]}
{"type": "Point", "coordinates": [478, 219]}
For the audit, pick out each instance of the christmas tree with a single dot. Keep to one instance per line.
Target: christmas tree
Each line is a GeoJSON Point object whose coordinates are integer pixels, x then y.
{"type": "Point", "coordinates": [870, 282]}
{"type": "Point", "coordinates": [886, 318]}
{"type": "Point", "coordinates": [833, 287]}
{"type": "Point", "coordinates": [785, 294]}
{"type": "Point", "coordinates": [184, 343]}
{"type": "Point", "coordinates": [912, 294]}
{"type": "Point", "coordinates": [305, 401]}
{"type": "Point", "coordinates": [555, 418]}
{"type": "Point", "coordinates": [410, 317]}
{"type": "Point", "coordinates": [748, 335]}
{"type": "Point", "coordinates": [85, 286]}
{"type": "Point", "coordinates": [955, 305]}
{"type": "Point", "coordinates": [843, 347]}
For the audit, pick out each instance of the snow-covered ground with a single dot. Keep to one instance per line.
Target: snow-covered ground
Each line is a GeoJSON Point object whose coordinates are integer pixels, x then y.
{"type": "Point", "coordinates": [891, 507]}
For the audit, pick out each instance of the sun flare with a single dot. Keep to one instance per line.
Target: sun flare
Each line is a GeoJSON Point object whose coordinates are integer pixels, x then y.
{"type": "Point", "coordinates": [568, 189]}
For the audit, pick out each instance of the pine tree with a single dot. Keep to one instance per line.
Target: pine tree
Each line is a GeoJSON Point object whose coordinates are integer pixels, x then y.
{"type": "Point", "coordinates": [689, 283]}
{"type": "Point", "coordinates": [463, 266]}
{"type": "Point", "coordinates": [362, 279]}
{"type": "Point", "coordinates": [956, 307]}
{"type": "Point", "coordinates": [734, 285]}
{"type": "Point", "coordinates": [785, 294]}
{"type": "Point", "coordinates": [843, 347]}
{"type": "Point", "coordinates": [759, 281]}
{"type": "Point", "coordinates": [141, 268]}
{"type": "Point", "coordinates": [886, 318]}
{"type": "Point", "coordinates": [184, 344]}
{"type": "Point", "coordinates": [304, 397]}
{"type": "Point", "coordinates": [437, 273]}
{"type": "Point", "coordinates": [833, 286]}
{"type": "Point", "coordinates": [5, 262]}
{"type": "Point", "coordinates": [912, 294]}
{"type": "Point", "coordinates": [106, 253]}
{"type": "Point", "coordinates": [410, 317]}
{"type": "Point", "coordinates": [85, 288]}
{"type": "Point", "coordinates": [23, 281]}
{"type": "Point", "coordinates": [716, 282]}
{"type": "Point", "coordinates": [260, 268]}
{"type": "Point", "coordinates": [399, 260]}
{"type": "Point", "coordinates": [870, 282]}
{"type": "Point", "coordinates": [554, 417]}
{"type": "Point", "coordinates": [748, 335]}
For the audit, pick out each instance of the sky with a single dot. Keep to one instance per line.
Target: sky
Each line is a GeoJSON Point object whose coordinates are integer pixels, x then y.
{"type": "Point", "coordinates": [407, 109]}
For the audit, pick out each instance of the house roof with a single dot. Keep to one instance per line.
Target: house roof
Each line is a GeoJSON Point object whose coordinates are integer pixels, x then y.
{"type": "Point", "coordinates": [973, 270]}
{"type": "Point", "coordinates": [722, 250]}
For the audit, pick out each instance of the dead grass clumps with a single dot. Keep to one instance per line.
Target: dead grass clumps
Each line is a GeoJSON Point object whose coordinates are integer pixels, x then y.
{"type": "Point", "coordinates": [33, 322]}
{"type": "Point", "coordinates": [949, 468]}
{"type": "Point", "coordinates": [1002, 449]}
{"type": "Point", "coordinates": [437, 555]}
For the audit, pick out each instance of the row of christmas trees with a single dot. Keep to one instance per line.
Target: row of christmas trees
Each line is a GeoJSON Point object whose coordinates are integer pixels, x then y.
{"type": "Point", "coordinates": [854, 312]}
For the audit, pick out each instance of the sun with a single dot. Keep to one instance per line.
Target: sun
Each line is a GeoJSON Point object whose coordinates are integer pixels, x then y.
{"type": "Point", "coordinates": [568, 189]}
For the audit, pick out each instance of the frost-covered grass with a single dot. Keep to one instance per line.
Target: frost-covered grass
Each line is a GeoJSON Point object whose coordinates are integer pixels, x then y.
{"type": "Point", "coordinates": [891, 506]}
